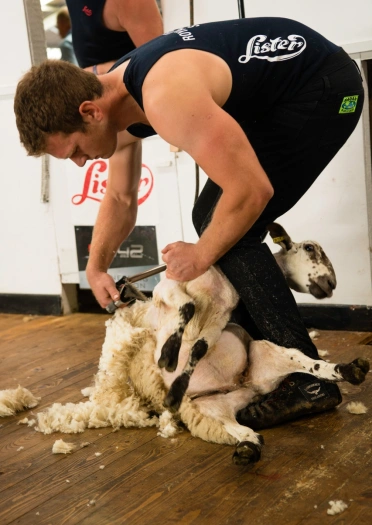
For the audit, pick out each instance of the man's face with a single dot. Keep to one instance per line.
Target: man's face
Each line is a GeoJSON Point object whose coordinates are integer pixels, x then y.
{"type": "Point", "coordinates": [98, 141]}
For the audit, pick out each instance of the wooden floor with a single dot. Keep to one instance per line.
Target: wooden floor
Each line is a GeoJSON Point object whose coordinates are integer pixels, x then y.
{"type": "Point", "coordinates": [150, 480]}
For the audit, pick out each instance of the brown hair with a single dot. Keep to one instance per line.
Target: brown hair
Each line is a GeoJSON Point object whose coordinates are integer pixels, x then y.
{"type": "Point", "coordinates": [47, 101]}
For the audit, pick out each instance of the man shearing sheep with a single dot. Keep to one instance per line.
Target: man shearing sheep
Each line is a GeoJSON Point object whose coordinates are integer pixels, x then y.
{"type": "Point", "coordinates": [262, 105]}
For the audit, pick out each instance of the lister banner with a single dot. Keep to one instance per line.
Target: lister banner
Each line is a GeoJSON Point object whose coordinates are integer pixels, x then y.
{"type": "Point", "coordinates": [137, 254]}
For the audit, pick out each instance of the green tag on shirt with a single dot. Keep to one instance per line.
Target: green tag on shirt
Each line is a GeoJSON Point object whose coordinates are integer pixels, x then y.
{"type": "Point", "coordinates": [348, 105]}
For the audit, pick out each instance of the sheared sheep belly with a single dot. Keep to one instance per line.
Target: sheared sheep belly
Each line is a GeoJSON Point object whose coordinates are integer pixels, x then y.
{"type": "Point", "coordinates": [222, 369]}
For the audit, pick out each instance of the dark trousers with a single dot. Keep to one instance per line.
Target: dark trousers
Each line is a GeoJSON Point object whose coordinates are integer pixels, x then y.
{"type": "Point", "coordinates": [294, 142]}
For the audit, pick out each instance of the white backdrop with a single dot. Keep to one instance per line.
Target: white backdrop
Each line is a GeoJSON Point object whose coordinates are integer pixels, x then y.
{"type": "Point", "coordinates": [37, 239]}
{"type": "Point", "coordinates": [342, 22]}
{"type": "Point", "coordinates": [29, 262]}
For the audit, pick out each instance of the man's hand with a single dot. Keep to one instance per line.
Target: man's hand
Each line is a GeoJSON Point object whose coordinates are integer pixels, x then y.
{"type": "Point", "coordinates": [184, 261]}
{"type": "Point", "coordinates": [103, 287]}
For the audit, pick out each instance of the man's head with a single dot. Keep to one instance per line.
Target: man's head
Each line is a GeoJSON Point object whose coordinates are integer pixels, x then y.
{"type": "Point", "coordinates": [48, 100]}
{"type": "Point", "coordinates": [63, 22]}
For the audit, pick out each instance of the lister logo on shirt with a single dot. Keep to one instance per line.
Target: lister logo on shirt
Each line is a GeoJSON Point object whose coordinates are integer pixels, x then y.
{"type": "Point", "coordinates": [273, 50]}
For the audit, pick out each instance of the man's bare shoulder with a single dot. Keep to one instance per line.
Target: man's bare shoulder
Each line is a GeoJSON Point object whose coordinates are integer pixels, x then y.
{"type": "Point", "coordinates": [193, 71]}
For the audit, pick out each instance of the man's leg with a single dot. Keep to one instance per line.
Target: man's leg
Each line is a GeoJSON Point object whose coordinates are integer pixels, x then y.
{"type": "Point", "coordinates": [294, 145]}
{"type": "Point", "coordinates": [267, 308]}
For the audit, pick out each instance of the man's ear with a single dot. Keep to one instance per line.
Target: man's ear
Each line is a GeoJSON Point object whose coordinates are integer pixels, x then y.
{"type": "Point", "coordinates": [90, 111]}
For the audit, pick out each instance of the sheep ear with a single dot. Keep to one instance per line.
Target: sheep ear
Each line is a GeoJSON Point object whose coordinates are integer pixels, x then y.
{"type": "Point", "coordinates": [279, 235]}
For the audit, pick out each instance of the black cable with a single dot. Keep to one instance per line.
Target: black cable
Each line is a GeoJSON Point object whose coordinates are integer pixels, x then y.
{"type": "Point", "coordinates": [197, 182]}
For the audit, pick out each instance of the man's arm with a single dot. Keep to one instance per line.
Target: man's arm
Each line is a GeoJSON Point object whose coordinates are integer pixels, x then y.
{"type": "Point", "coordinates": [185, 113]}
{"type": "Point", "coordinates": [140, 18]}
{"type": "Point", "coordinates": [116, 219]}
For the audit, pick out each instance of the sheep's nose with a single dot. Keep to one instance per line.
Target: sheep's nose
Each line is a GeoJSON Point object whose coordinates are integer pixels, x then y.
{"type": "Point", "coordinates": [331, 284]}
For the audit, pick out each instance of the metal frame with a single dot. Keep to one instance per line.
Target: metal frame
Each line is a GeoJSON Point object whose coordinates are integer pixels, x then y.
{"type": "Point", "coordinates": [367, 155]}
{"type": "Point", "coordinates": [241, 8]}
{"type": "Point", "coordinates": [37, 44]}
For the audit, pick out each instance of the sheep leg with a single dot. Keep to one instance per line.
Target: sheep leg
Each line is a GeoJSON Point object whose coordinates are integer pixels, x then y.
{"type": "Point", "coordinates": [208, 337]}
{"type": "Point", "coordinates": [248, 449]}
{"type": "Point", "coordinates": [171, 348]}
{"type": "Point", "coordinates": [172, 302]}
{"type": "Point", "coordinates": [179, 386]}
{"type": "Point", "coordinates": [246, 453]}
{"type": "Point", "coordinates": [221, 409]}
{"type": "Point", "coordinates": [270, 364]}
{"type": "Point", "coordinates": [354, 372]}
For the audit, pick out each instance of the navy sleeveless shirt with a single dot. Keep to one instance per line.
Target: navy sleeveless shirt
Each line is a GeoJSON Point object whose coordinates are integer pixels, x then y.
{"type": "Point", "coordinates": [93, 42]}
{"type": "Point", "coordinates": [270, 60]}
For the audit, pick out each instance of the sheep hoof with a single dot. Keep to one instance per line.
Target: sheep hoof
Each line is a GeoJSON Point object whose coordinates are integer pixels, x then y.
{"type": "Point", "coordinates": [354, 372]}
{"type": "Point", "coordinates": [176, 392]}
{"type": "Point", "coordinates": [172, 404]}
{"type": "Point", "coordinates": [246, 453]}
{"type": "Point", "coordinates": [169, 353]}
{"type": "Point", "coordinates": [362, 363]}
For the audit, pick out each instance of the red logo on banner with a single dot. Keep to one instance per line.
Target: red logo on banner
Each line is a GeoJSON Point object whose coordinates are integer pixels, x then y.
{"type": "Point", "coordinates": [94, 188]}
{"type": "Point", "coordinates": [145, 184]}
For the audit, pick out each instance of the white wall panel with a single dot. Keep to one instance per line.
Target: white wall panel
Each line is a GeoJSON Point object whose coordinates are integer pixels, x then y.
{"type": "Point", "coordinates": [27, 238]}
{"type": "Point", "coordinates": [14, 49]}
{"type": "Point", "coordinates": [29, 262]}
{"type": "Point", "coordinates": [342, 22]}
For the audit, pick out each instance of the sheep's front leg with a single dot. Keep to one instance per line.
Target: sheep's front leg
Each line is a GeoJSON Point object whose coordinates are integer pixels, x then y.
{"type": "Point", "coordinates": [179, 386]}
{"type": "Point", "coordinates": [208, 337]}
{"type": "Point", "coordinates": [171, 348]}
{"type": "Point", "coordinates": [175, 308]}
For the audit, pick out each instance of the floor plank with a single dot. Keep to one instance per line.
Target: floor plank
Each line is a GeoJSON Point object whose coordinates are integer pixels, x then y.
{"type": "Point", "coordinates": [150, 480]}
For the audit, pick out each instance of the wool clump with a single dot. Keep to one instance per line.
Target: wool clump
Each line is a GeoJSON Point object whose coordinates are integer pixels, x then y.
{"type": "Point", "coordinates": [356, 407]}
{"type": "Point", "coordinates": [15, 400]}
{"type": "Point", "coordinates": [337, 506]}
{"type": "Point", "coordinates": [61, 447]}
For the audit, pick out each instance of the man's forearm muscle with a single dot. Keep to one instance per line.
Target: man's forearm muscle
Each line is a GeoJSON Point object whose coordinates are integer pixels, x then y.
{"type": "Point", "coordinates": [115, 221]}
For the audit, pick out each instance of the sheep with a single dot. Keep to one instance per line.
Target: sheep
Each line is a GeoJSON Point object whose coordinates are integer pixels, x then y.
{"type": "Point", "coordinates": [189, 319]}
{"type": "Point", "coordinates": [305, 266]}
